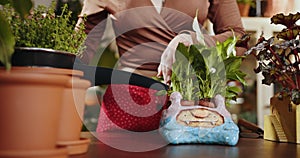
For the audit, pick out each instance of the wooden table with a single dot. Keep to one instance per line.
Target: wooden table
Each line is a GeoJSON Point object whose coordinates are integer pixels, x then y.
{"type": "Point", "coordinates": [246, 147]}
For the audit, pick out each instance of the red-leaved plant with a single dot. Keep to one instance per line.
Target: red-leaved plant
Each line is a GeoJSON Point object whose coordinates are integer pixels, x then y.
{"type": "Point", "coordinates": [278, 57]}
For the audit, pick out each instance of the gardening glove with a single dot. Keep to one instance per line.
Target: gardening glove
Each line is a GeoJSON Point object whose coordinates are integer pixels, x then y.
{"type": "Point", "coordinates": [168, 56]}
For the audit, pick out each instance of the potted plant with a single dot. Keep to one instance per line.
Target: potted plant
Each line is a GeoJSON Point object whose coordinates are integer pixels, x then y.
{"type": "Point", "coordinates": [45, 45]}
{"type": "Point", "coordinates": [201, 72]}
{"type": "Point", "coordinates": [278, 61]}
{"type": "Point", "coordinates": [199, 91]}
{"type": "Point", "coordinates": [244, 6]}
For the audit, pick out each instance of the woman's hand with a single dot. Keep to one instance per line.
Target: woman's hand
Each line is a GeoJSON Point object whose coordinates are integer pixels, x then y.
{"type": "Point", "coordinates": [168, 56]}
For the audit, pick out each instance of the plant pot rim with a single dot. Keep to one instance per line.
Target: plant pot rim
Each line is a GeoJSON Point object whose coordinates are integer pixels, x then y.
{"type": "Point", "coordinates": [75, 147]}
{"type": "Point", "coordinates": [36, 78]}
{"type": "Point", "coordinates": [42, 57]}
{"type": "Point", "coordinates": [48, 70]}
{"type": "Point", "coordinates": [44, 50]}
{"type": "Point", "coordinates": [51, 153]}
{"type": "Point", "coordinates": [188, 102]}
{"type": "Point", "coordinates": [201, 102]}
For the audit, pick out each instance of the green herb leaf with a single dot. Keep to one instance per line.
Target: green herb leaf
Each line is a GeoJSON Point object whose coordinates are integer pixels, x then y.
{"type": "Point", "coordinates": [44, 29]}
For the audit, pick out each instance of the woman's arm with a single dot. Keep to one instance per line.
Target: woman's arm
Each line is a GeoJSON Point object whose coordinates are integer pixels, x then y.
{"type": "Point", "coordinates": [94, 17]}
{"type": "Point", "coordinates": [225, 16]}
{"type": "Point", "coordinates": [226, 19]}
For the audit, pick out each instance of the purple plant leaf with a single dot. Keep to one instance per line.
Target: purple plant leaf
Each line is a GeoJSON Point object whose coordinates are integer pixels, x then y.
{"type": "Point", "coordinates": [286, 20]}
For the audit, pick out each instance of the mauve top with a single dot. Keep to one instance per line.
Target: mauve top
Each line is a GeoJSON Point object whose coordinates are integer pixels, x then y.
{"type": "Point", "coordinates": [142, 33]}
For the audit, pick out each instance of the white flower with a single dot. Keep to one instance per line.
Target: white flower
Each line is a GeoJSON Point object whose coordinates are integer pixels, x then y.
{"type": "Point", "coordinates": [212, 70]}
{"type": "Point", "coordinates": [196, 28]}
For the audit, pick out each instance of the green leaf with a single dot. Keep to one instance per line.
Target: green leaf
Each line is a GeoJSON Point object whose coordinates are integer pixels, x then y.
{"type": "Point", "coordinates": [237, 76]}
{"type": "Point", "coordinates": [7, 42]}
{"type": "Point", "coordinates": [234, 89]}
{"type": "Point", "coordinates": [226, 48]}
{"type": "Point", "coordinates": [198, 61]}
{"type": "Point", "coordinates": [287, 34]}
{"type": "Point", "coordinates": [23, 7]}
{"type": "Point", "coordinates": [182, 50]}
{"type": "Point", "coordinates": [230, 95]}
{"type": "Point", "coordinates": [44, 29]}
{"type": "Point", "coordinates": [233, 63]}
{"type": "Point", "coordinates": [203, 72]}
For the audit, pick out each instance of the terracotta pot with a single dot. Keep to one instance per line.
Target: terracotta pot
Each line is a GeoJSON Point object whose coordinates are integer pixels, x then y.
{"type": "Point", "coordinates": [187, 103]}
{"type": "Point", "coordinates": [202, 102]}
{"type": "Point", "coordinates": [73, 109]}
{"type": "Point", "coordinates": [70, 123]}
{"type": "Point", "coordinates": [72, 115]}
{"type": "Point", "coordinates": [49, 70]}
{"type": "Point", "coordinates": [244, 9]}
{"type": "Point", "coordinates": [30, 110]}
{"type": "Point", "coordinates": [207, 103]}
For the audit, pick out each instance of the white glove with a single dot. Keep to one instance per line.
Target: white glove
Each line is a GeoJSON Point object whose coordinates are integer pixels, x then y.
{"type": "Point", "coordinates": [168, 56]}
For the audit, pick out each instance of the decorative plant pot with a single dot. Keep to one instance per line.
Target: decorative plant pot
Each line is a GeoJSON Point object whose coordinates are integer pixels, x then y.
{"type": "Point", "coordinates": [30, 111]}
{"type": "Point", "coordinates": [198, 124]}
{"type": "Point", "coordinates": [283, 123]}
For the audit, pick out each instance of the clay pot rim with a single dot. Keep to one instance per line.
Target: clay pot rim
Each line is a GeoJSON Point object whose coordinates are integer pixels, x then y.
{"type": "Point", "coordinates": [35, 78]}
{"type": "Point", "coordinates": [188, 102]}
{"type": "Point", "coordinates": [74, 142]}
{"type": "Point", "coordinates": [47, 70]}
{"type": "Point", "coordinates": [197, 102]}
{"type": "Point", "coordinates": [75, 147]}
{"type": "Point", "coordinates": [35, 153]}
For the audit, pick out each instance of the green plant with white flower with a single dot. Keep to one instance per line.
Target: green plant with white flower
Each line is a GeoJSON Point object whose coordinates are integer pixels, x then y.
{"type": "Point", "coordinates": [201, 72]}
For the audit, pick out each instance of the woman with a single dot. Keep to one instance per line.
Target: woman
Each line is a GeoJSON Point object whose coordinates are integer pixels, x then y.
{"type": "Point", "coordinates": [147, 34]}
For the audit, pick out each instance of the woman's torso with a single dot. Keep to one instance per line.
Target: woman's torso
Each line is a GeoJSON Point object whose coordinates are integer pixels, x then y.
{"type": "Point", "coordinates": [142, 33]}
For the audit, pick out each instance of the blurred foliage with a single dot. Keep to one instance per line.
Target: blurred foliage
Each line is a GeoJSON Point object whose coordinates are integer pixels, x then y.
{"type": "Point", "coordinates": [73, 5]}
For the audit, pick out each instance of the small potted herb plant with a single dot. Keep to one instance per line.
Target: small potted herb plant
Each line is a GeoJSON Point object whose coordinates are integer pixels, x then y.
{"type": "Point", "coordinates": [278, 61]}
{"type": "Point", "coordinates": [43, 30]}
{"type": "Point", "coordinates": [44, 48]}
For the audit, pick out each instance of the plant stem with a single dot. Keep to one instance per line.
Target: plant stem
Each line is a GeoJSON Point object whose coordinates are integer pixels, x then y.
{"type": "Point", "coordinates": [297, 78]}
{"type": "Point", "coordinates": [275, 55]}
{"type": "Point", "coordinates": [290, 81]}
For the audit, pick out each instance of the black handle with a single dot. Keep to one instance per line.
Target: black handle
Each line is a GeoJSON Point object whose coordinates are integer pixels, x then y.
{"type": "Point", "coordinates": [104, 76]}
